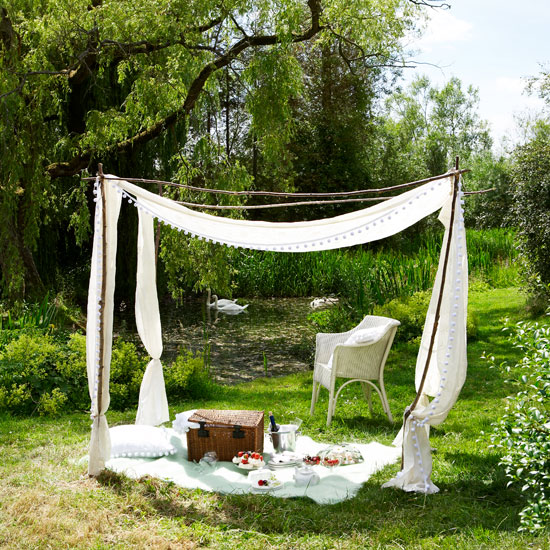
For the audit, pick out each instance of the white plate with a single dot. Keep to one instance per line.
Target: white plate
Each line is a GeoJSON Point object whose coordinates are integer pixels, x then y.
{"type": "Point", "coordinates": [249, 467]}
{"type": "Point", "coordinates": [266, 488]}
{"type": "Point", "coordinates": [280, 465]}
{"type": "Point", "coordinates": [285, 459]}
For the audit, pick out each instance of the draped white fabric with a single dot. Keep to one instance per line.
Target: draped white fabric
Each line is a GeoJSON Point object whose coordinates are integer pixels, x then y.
{"type": "Point", "coordinates": [369, 224]}
{"type": "Point", "coordinates": [100, 445]}
{"type": "Point", "coordinates": [153, 404]}
{"type": "Point", "coordinates": [448, 361]}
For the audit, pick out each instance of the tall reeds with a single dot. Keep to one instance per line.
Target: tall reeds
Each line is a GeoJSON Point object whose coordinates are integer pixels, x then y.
{"type": "Point", "coordinates": [366, 276]}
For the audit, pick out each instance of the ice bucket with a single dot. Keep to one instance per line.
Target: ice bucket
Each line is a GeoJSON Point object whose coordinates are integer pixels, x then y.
{"type": "Point", "coordinates": [285, 438]}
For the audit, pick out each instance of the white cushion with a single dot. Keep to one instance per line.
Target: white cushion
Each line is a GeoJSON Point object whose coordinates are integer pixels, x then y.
{"type": "Point", "coordinates": [366, 335]}
{"type": "Point", "coordinates": [140, 441]}
{"type": "Point", "coordinates": [363, 336]}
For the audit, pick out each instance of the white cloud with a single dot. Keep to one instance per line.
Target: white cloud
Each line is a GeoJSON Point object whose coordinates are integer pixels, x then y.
{"type": "Point", "coordinates": [511, 85]}
{"type": "Point", "coordinates": [444, 28]}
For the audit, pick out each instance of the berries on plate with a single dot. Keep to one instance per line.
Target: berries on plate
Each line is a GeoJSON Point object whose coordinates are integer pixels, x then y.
{"type": "Point", "coordinates": [249, 460]}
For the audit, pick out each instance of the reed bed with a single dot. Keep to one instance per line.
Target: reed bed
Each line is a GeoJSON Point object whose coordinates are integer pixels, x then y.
{"type": "Point", "coordinates": [373, 275]}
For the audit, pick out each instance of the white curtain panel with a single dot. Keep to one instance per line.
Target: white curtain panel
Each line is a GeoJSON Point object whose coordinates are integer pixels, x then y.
{"type": "Point", "coordinates": [153, 404]}
{"type": "Point", "coordinates": [448, 362]}
{"type": "Point", "coordinates": [369, 224]}
{"type": "Point", "coordinates": [100, 444]}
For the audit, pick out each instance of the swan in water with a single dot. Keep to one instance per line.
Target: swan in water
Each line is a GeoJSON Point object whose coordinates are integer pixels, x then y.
{"type": "Point", "coordinates": [218, 304]}
{"type": "Point", "coordinates": [232, 309]}
{"type": "Point", "coordinates": [319, 302]}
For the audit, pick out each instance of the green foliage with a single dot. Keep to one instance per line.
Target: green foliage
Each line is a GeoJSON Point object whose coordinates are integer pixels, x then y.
{"type": "Point", "coordinates": [493, 209]}
{"type": "Point", "coordinates": [410, 311]}
{"type": "Point", "coordinates": [188, 377]}
{"type": "Point", "coordinates": [27, 370]}
{"type": "Point", "coordinates": [532, 209]}
{"type": "Point", "coordinates": [46, 374]}
{"type": "Point", "coordinates": [523, 433]}
{"type": "Point", "coordinates": [142, 85]}
{"type": "Point", "coordinates": [365, 277]}
{"type": "Point", "coordinates": [423, 129]}
{"type": "Point", "coordinates": [333, 319]}
{"type": "Point", "coordinates": [127, 368]}
{"type": "Point", "coordinates": [39, 315]}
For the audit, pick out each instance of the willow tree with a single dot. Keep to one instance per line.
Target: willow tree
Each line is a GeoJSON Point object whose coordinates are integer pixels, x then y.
{"type": "Point", "coordinates": [88, 80]}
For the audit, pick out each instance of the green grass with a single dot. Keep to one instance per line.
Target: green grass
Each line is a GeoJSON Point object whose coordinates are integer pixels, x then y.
{"type": "Point", "coordinates": [49, 502]}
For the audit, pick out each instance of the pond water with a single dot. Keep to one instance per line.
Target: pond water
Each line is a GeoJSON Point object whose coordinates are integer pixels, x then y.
{"type": "Point", "coordinates": [271, 337]}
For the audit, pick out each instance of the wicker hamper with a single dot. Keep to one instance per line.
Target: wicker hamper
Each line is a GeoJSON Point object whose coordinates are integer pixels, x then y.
{"type": "Point", "coordinates": [226, 432]}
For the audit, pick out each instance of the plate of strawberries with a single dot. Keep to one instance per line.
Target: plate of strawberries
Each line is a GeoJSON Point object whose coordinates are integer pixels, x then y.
{"type": "Point", "coordinates": [249, 460]}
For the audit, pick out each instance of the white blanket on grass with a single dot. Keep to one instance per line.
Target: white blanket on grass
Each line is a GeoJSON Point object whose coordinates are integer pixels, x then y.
{"type": "Point", "coordinates": [335, 485]}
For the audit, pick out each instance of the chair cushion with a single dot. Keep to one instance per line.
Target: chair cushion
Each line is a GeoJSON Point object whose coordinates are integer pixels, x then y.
{"type": "Point", "coordinates": [362, 336]}
{"type": "Point", "coordinates": [366, 335]}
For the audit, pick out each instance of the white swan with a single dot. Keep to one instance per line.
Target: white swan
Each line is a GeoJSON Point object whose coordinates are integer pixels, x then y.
{"type": "Point", "coordinates": [231, 308]}
{"type": "Point", "coordinates": [218, 304]}
{"type": "Point", "coordinates": [319, 302]}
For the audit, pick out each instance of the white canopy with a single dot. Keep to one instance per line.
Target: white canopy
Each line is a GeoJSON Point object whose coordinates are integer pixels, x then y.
{"type": "Point", "coordinates": [447, 361]}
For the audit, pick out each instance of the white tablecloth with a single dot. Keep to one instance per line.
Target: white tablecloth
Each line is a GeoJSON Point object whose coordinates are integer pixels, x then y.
{"type": "Point", "coordinates": [335, 485]}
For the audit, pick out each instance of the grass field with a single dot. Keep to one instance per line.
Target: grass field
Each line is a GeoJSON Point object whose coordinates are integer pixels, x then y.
{"type": "Point", "coordinates": [47, 500]}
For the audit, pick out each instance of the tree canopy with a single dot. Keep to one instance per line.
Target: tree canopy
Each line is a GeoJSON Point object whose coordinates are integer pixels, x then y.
{"type": "Point", "coordinates": [146, 87]}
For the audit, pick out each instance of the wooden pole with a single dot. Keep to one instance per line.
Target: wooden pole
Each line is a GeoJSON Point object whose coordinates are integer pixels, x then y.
{"type": "Point", "coordinates": [438, 306]}
{"type": "Point", "coordinates": [281, 194]}
{"type": "Point", "coordinates": [102, 299]}
{"type": "Point", "coordinates": [157, 236]}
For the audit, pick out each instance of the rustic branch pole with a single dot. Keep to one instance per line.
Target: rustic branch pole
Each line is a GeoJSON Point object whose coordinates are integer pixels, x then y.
{"type": "Point", "coordinates": [281, 194]}
{"type": "Point", "coordinates": [157, 236]}
{"type": "Point", "coordinates": [438, 306]}
{"type": "Point", "coordinates": [102, 299]}
{"type": "Point", "coordinates": [278, 205]}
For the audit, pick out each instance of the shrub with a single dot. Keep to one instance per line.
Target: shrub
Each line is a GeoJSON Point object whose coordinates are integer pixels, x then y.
{"type": "Point", "coordinates": [332, 319]}
{"type": "Point", "coordinates": [47, 373]}
{"type": "Point", "coordinates": [127, 368]}
{"type": "Point", "coordinates": [532, 209]}
{"type": "Point", "coordinates": [523, 433]}
{"type": "Point", "coordinates": [27, 370]}
{"type": "Point", "coordinates": [411, 311]}
{"type": "Point", "coordinates": [188, 376]}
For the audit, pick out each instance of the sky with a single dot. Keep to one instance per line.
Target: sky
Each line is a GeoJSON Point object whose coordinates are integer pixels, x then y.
{"type": "Point", "coordinates": [493, 45]}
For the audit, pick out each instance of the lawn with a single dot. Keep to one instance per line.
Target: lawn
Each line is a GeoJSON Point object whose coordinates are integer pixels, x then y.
{"type": "Point", "coordinates": [48, 501]}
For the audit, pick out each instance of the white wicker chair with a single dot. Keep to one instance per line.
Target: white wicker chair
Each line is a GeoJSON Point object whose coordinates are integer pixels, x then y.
{"type": "Point", "coordinates": [363, 362]}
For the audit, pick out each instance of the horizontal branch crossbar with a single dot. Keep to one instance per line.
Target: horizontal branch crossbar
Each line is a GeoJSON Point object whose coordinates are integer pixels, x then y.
{"type": "Point", "coordinates": [278, 205]}
{"type": "Point", "coordinates": [281, 194]}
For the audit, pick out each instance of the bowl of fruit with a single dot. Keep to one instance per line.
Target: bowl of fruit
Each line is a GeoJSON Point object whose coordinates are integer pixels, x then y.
{"type": "Point", "coordinates": [340, 455]}
{"type": "Point", "coordinates": [312, 460]}
{"type": "Point", "coordinates": [249, 460]}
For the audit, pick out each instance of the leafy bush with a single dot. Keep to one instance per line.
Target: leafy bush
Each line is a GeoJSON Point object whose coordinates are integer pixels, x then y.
{"type": "Point", "coordinates": [332, 319]}
{"type": "Point", "coordinates": [532, 209]}
{"type": "Point", "coordinates": [188, 376]}
{"type": "Point", "coordinates": [523, 434]}
{"type": "Point", "coordinates": [46, 373]}
{"type": "Point", "coordinates": [411, 311]}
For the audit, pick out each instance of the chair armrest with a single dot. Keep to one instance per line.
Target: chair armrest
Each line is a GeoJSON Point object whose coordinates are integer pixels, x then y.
{"type": "Point", "coordinates": [325, 344]}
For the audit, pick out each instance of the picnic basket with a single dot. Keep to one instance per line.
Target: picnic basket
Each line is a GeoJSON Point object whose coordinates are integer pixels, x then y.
{"type": "Point", "coordinates": [226, 432]}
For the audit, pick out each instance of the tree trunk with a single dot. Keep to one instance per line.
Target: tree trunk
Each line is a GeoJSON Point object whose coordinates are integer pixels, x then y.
{"type": "Point", "coordinates": [20, 276]}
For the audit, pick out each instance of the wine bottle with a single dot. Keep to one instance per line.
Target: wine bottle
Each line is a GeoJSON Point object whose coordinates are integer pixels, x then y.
{"type": "Point", "coordinates": [274, 427]}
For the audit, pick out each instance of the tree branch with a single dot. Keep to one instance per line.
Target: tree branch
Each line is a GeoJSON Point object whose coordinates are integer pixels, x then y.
{"type": "Point", "coordinates": [82, 160]}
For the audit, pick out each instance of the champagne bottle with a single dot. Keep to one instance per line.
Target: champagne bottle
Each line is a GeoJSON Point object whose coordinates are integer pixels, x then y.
{"type": "Point", "coordinates": [274, 427]}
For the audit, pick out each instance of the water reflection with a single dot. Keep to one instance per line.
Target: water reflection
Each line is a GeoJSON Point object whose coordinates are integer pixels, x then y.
{"type": "Point", "coordinates": [272, 336]}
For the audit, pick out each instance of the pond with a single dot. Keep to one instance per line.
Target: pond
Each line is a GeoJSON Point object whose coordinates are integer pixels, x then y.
{"type": "Point", "coordinates": [270, 337]}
